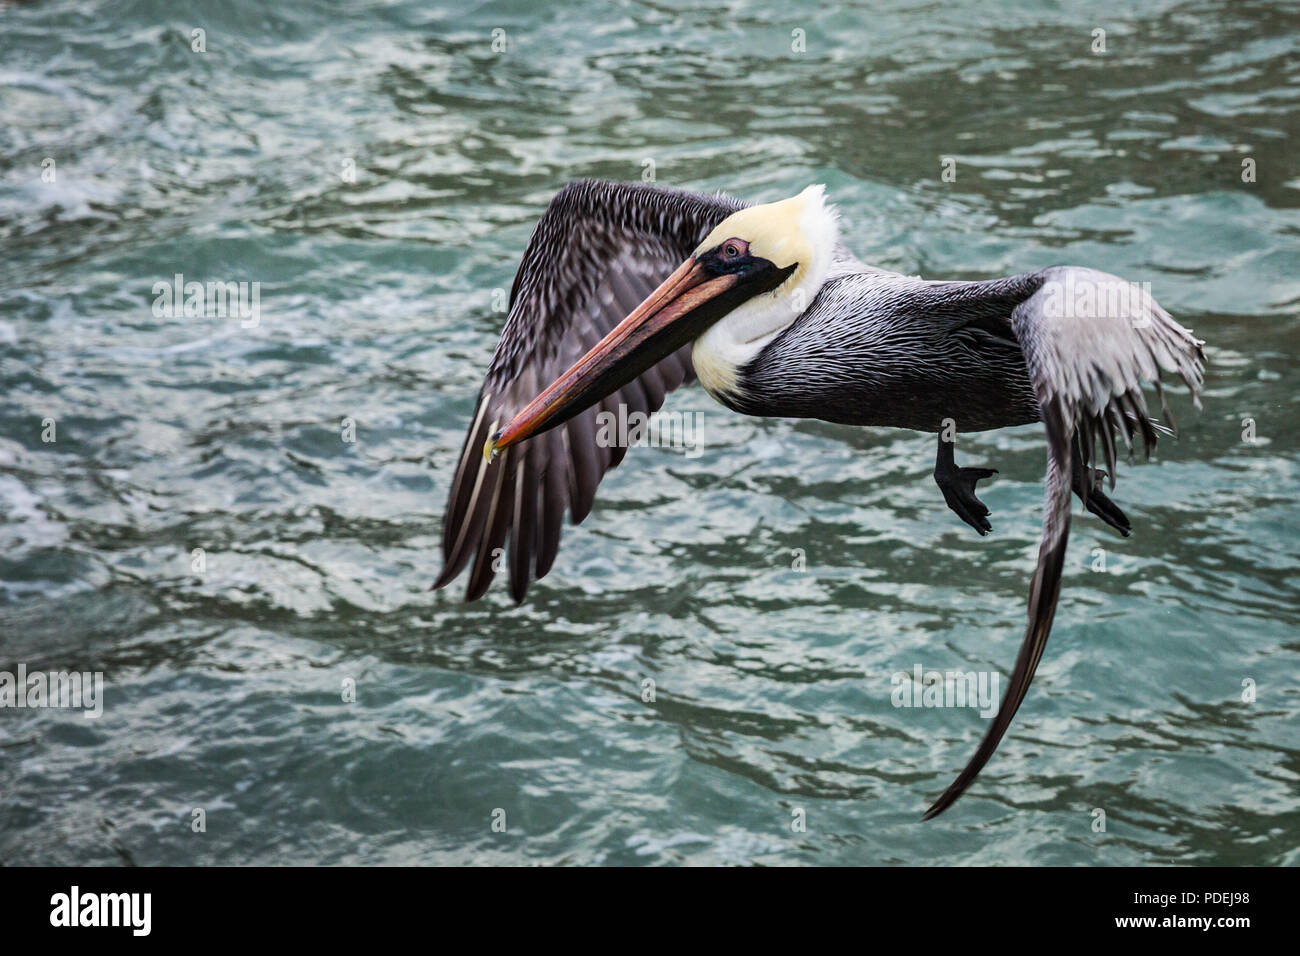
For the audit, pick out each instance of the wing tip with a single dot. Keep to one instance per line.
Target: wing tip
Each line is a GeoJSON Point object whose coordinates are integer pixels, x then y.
{"type": "Point", "coordinates": [954, 793]}
{"type": "Point", "coordinates": [478, 586]}
{"type": "Point", "coordinates": [445, 577]}
{"type": "Point", "coordinates": [936, 808]}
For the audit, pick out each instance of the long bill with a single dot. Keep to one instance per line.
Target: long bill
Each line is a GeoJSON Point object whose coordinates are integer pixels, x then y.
{"type": "Point", "coordinates": [686, 303]}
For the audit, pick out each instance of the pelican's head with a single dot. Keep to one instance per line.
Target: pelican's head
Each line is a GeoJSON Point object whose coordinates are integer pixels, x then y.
{"type": "Point", "coordinates": [798, 234]}
{"type": "Point", "coordinates": [750, 278]}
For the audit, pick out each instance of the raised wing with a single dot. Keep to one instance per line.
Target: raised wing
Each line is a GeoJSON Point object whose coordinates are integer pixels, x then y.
{"type": "Point", "coordinates": [1090, 340]}
{"type": "Point", "coordinates": [598, 251]}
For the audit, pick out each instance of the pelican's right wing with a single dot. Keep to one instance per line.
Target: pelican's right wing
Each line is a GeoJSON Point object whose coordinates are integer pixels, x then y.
{"type": "Point", "coordinates": [1090, 340]}
{"type": "Point", "coordinates": [597, 252]}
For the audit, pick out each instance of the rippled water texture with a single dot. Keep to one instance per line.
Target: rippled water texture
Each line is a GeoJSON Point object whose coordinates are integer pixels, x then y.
{"type": "Point", "coordinates": [773, 685]}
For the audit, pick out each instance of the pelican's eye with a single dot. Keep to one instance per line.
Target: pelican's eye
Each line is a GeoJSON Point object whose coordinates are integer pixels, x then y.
{"type": "Point", "coordinates": [734, 248]}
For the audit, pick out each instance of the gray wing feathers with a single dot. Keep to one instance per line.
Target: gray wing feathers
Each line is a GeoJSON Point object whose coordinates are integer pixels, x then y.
{"type": "Point", "coordinates": [598, 250]}
{"type": "Point", "coordinates": [1090, 340]}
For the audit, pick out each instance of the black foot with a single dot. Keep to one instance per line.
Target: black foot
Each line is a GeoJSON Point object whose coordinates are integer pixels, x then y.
{"type": "Point", "coordinates": [958, 487]}
{"type": "Point", "coordinates": [1098, 503]}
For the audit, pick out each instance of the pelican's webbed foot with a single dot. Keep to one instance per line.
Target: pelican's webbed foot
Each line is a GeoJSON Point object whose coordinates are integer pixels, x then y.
{"type": "Point", "coordinates": [1095, 501]}
{"type": "Point", "coordinates": [958, 487]}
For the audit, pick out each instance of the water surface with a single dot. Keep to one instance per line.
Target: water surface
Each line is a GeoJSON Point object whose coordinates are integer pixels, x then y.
{"type": "Point", "coordinates": [773, 685]}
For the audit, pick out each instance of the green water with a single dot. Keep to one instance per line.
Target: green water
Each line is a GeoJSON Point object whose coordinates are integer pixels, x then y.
{"type": "Point", "coordinates": [773, 686]}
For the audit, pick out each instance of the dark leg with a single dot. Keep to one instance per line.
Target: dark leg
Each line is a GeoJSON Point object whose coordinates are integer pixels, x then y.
{"type": "Point", "coordinates": [958, 487]}
{"type": "Point", "coordinates": [1092, 498]}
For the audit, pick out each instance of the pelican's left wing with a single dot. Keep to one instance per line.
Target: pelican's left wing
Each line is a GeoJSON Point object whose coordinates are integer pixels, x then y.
{"type": "Point", "coordinates": [597, 252]}
{"type": "Point", "coordinates": [1090, 340]}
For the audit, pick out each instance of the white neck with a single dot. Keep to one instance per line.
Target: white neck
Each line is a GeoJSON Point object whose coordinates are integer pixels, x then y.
{"type": "Point", "coordinates": [736, 338]}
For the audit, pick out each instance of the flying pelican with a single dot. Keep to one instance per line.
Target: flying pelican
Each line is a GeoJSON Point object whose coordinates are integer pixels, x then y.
{"type": "Point", "coordinates": [628, 290]}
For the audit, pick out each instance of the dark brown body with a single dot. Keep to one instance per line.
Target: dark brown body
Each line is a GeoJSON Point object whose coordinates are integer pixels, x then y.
{"type": "Point", "coordinates": [880, 349]}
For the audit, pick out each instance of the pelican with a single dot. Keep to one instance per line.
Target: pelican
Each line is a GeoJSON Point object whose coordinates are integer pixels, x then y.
{"type": "Point", "coordinates": [626, 291]}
